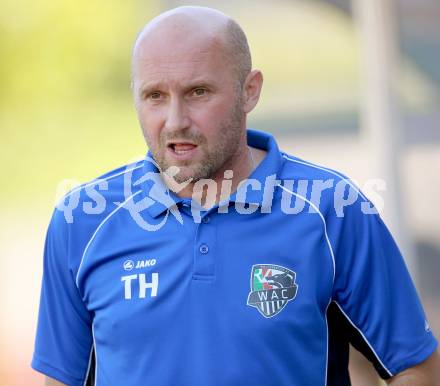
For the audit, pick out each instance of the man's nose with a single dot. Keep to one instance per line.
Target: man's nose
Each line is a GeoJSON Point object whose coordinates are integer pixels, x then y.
{"type": "Point", "coordinates": [177, 117]}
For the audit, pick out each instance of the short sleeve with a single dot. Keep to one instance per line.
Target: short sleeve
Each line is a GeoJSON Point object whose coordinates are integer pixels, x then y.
{"type": "Point", "coordinates": [374, 292]}
{"type": "Point", "coordinates": [64, 340]}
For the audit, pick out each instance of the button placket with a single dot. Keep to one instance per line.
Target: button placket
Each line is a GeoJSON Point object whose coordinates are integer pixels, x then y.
{"type": "Point", "coordinates": [204, 259]}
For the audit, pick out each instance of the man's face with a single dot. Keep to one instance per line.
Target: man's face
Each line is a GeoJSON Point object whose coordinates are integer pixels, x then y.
{"type": "Point", "coordinates": [189, 107]}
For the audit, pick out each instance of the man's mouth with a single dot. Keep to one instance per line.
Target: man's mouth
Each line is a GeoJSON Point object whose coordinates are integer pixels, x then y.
{"type": "Point", "coordinates": [182, 148]}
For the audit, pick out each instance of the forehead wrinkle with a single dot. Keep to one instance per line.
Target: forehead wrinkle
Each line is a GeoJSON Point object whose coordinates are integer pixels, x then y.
{"type": "Point", "coordinates": [188, 50]}
{"type": "Point", "coordinates": [169, 73]}
{"type": "Point", "coordinates": [172, 60]}
{"type": "Point", "coordinates": [178, 66]}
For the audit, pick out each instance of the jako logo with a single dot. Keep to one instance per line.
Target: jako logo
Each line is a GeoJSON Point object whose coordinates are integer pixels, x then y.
{"type": "Point", "coordinates": [145, 263]}
{"type": "Point", "coordinates": [128, 265]}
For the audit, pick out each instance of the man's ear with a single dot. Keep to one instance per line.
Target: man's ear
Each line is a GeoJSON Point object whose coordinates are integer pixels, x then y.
{"type": "Point", "coordinates": [251, 90]}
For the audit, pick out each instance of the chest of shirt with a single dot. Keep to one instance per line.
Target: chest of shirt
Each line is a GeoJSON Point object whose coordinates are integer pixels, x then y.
{"type": "Point", "coordinates": [257, 266]}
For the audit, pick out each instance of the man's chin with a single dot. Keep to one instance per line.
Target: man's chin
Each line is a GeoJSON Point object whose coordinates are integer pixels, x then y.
{"type": "Point", "coordinates": [184, 173]}
{"type": "Point", "coordinates": [180, 174]}
{"type": "Point", "coordinates": [189, 174]}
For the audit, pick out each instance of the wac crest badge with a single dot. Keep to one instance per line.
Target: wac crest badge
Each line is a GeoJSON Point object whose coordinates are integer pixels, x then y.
{"type": "Point", "coordinates": [272, 287]}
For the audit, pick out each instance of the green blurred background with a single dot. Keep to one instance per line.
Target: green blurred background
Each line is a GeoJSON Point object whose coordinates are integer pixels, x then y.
{"type": "Point", "coordinates": [66, 116]}
{"type": "Point", "coordinates": [65, 92]}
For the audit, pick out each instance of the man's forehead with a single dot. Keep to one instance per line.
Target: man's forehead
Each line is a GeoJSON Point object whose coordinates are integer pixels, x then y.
{"type": "Point", "coordinates": [185, 57]}
{"type": "Point", "coordinates": [196, 36]}
{"type": "Point", "coordinates": [172, 45]}
{"type": "Point", "coordinates": [159, 73]}
{"type": "Point", "coordinates": [174, 49]}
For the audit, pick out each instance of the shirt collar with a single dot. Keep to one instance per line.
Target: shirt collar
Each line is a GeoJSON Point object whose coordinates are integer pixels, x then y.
{"type": "Point", "coordinates": [253, 192]}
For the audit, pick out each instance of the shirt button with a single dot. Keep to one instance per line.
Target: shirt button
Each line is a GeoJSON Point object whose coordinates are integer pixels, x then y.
{"type": "Point", "coordinates": [205, 220]}
{"type": "Point", "coordinates": [204, 249]}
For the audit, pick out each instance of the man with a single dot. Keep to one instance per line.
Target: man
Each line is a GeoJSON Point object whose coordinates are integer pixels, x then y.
{"type": "Point", "coordinates": [154, 289]}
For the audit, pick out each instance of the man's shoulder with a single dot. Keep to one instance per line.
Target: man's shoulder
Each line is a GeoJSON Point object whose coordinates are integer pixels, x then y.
{"type": "Point", "coordinates": [327, 190]}
{"type": "Point", "coordinates": [92, 201]}
{"type": "Point", "coordinates": [114, 180]}
{"type": "Point", "coordinates": [82, 211]}
{"type": "Point", "coordinates": [110, 183]}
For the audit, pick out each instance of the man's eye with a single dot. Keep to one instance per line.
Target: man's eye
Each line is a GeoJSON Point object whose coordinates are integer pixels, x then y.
{"type": "Point", "coordinates": [199, 91]}
{"type": "Point", "coordinates": [154, 95]}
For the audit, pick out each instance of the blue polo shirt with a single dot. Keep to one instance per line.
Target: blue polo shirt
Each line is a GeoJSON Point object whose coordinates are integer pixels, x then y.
{"type": "Point", "coordinates": [141, 287]}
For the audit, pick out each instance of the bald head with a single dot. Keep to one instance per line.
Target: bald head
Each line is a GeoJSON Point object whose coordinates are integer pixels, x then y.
{"type": "Point", "coordinates": [201, 27]}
